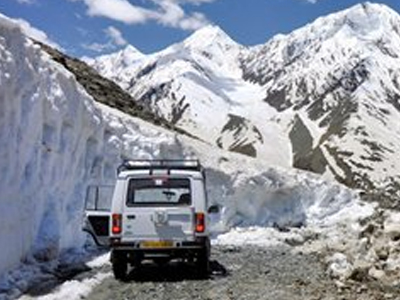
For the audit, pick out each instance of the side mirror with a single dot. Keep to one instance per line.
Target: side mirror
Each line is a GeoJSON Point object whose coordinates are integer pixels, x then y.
{"type": "Point", "coordinates": [214, 209]}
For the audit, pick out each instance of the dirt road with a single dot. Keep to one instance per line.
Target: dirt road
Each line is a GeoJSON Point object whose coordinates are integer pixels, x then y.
{"type": "Point", "coordinates": [237, 273]}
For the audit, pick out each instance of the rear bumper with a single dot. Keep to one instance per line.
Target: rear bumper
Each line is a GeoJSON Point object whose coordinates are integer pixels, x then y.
{"type": "Point", "coordinates": [197, 244]}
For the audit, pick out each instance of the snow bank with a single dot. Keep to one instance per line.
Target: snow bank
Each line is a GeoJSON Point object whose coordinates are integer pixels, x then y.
{"type": "Point", "coordinates": [278, 207]}
{"type": "Point", "coordinates": [283, 199]}
{"type": "Point", "coordinates": [74, 289]}
{"type": "Point", "coordinates": [56, 141]}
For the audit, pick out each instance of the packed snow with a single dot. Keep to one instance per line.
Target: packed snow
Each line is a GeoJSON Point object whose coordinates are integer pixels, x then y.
{"type": "Point", "coordinates": [57, 141]}
{"type": "Point", "coordinates": [77, 289]}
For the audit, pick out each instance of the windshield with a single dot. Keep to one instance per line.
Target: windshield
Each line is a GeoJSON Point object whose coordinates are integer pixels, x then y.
{"type": "Point", "coordinates": [158, 192]}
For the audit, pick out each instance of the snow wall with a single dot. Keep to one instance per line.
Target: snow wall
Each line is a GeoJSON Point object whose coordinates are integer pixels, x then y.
{"type": "Point", "coordinates": [55, 141]}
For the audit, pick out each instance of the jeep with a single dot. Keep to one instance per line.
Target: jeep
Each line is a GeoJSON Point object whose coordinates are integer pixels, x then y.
{"type": "Point", "coordinates": [159, 212]}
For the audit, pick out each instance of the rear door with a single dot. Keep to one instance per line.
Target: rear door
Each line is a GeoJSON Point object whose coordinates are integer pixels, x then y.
{"type": "Point", "coordinates": [97, 213]}
{"type": "Point", "coordinates": [158, 209]}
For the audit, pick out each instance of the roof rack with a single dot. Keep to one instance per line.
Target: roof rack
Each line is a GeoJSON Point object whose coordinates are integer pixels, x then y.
{"type": "Point", "coordinates": [161, 164]}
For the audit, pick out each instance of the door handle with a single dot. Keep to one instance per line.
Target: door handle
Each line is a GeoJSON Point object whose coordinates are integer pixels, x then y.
{"type": "Point", "coordinates": [131, 217]}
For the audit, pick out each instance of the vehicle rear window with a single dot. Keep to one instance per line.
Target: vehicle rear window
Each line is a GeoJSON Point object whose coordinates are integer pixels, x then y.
{"type": "Point", "coordinates": [159, 192]}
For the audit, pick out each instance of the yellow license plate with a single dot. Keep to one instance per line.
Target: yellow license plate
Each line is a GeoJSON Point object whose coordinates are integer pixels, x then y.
{"type": "Point", "coordinates": [156, 244]}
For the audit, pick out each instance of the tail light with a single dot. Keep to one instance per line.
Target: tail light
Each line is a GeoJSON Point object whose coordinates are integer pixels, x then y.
{"type": "Point", "coordinates": [200, 222]}
{"type": "Point", "coordinates": [116, 223]}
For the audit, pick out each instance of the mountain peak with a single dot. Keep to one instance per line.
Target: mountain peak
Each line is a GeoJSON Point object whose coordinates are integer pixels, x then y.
{"type": "Point", "coordinates": [367, 18]}
{"type": "Point", "coordinates": [130, 53]}
{"type": "Point", "coordinates": [210, 31]}
{"type": "Point", "coordinates": [365, 22]}
{"type": "Point", "coordinates": [122, 58]}
{"type": "Point", "coordinates": [371, 7]}
{"type": "Point", "coordinates": [367, 11]}
{"type": "Point", "coordinates": [131, 50]}
{"type": "Point", "coordinates": [208, 35]}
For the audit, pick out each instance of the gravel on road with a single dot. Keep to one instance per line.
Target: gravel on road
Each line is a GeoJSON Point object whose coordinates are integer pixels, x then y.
{"type": "Point", "coordinates": [242, 273]}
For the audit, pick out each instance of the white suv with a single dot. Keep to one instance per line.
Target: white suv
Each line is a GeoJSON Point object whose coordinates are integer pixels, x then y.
{"type": "Point", "coordinates": [159, 211]}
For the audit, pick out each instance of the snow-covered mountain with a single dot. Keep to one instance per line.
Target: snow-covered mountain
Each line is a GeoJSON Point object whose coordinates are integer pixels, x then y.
{"type": "Point", "coordinates": [57, 140]}
{"type": "Point", "coordinates": [115, 66]}
{"type": "Point", "coordinates": [198, 86]}
{"type": "Point", "coordinates": [324, 98]}
{"type": "Point", "coordinates": [339, 78]}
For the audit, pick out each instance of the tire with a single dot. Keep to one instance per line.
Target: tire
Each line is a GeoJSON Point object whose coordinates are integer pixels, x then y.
{"type": "Point", "coordinates": [203, 260]}
{"type": "Point", "coordinates": [161, 261]}
{"type": "Point", "coordinates": [135, 259]}
{"type": "Point", "coordinates": [203, 265]}
{"type": "Point", "coordinates": [119, 265]}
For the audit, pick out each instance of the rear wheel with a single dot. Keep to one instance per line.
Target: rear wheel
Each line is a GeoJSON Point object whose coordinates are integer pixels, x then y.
{"type": "Point", "coordinates": [203, 260]}
{"type": "Point", "coordinates": [203, 265]}
{"type": "Point", "coordinates": [161, 261]}
{"type": "Point", "coordinates": [119, 265]}
{"type": "Point", "coordinates": [135, 259]}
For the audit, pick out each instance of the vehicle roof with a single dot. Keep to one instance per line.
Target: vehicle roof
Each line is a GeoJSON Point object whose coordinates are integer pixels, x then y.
{"type": "Point", "coordinates": [160, 172]}
{"type": "Point", "coordinates": [164, 167]}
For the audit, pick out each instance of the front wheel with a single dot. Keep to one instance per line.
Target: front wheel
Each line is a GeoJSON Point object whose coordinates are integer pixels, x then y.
{"type": "Point", "coordinates": [119, 265]}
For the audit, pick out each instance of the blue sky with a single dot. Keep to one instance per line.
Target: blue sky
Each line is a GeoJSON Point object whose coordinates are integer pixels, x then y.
{"type": "Point", "coordinates": [93, 27]}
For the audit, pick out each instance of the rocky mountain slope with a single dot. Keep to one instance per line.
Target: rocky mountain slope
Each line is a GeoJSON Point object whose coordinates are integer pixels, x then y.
{"type": "Point", "coordinates": [324, 98]}
{"type": "Point", "coordinates": [338, 80]}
